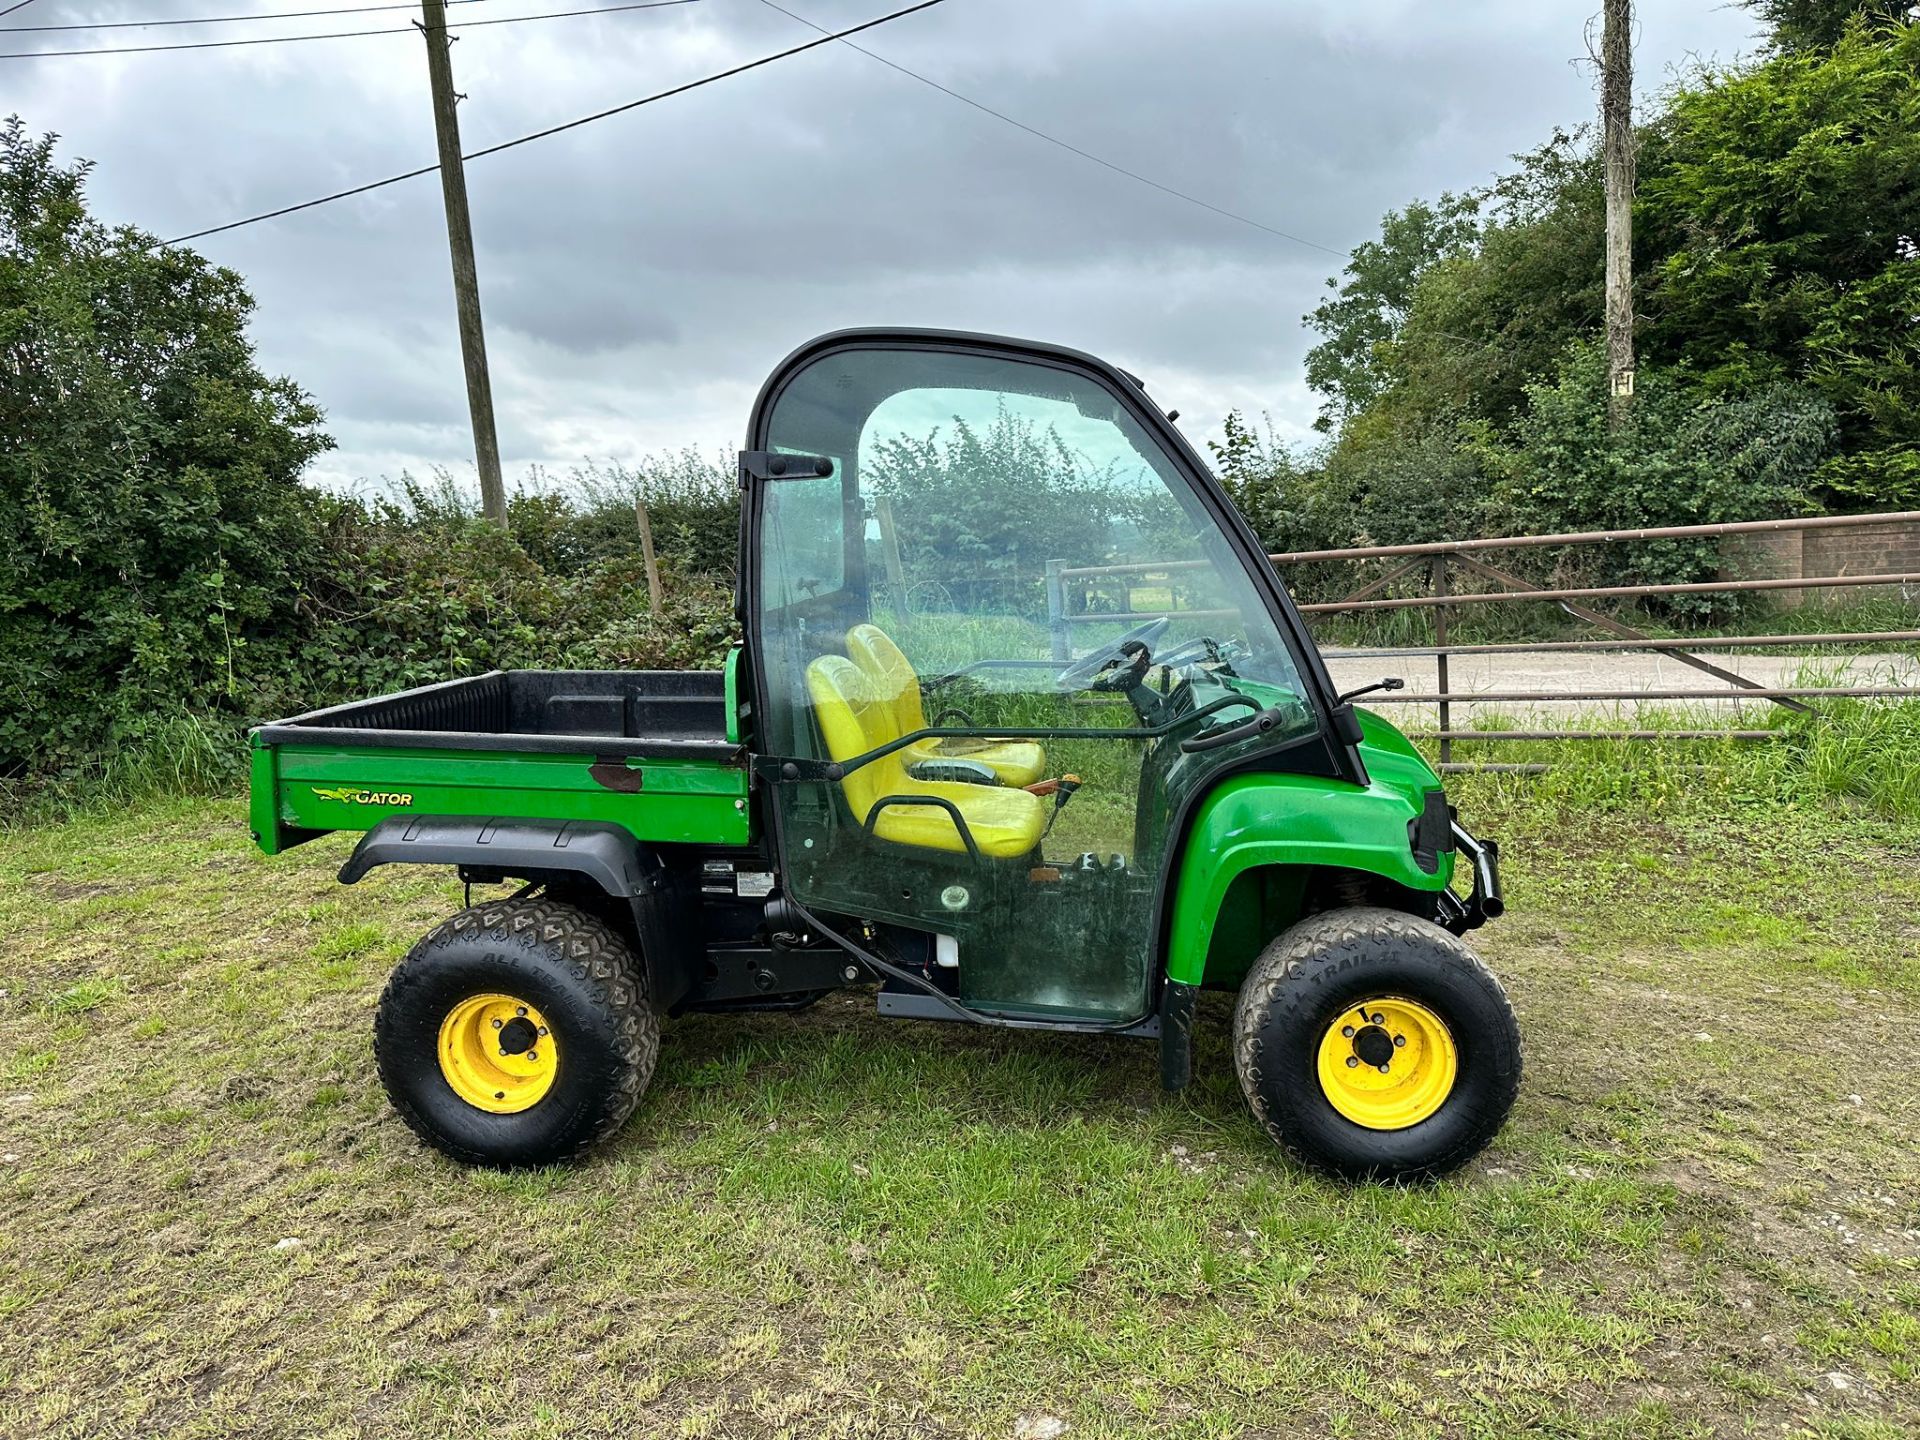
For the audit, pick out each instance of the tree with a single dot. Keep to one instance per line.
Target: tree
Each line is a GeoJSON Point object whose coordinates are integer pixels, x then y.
{"type": "Point", "coordinates": [1783, 211]}
{"type": "Point", "coordinates": [1349, 367]}
{"type": "Point", "coordinates": [1497, 312]}
{"type": "Point", "coordinates": [151, 523]}
{"type": "Point", "coordinates": [1776, 241]}
{"type": "Point", "coordinates": [1819, 24]}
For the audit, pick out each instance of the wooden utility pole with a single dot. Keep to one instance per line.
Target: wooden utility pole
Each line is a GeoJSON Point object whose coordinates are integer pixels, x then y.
{"type": "Point", "coordinates": [1616, 120]}
{"type": "Point", "coordinates": [466, 280]}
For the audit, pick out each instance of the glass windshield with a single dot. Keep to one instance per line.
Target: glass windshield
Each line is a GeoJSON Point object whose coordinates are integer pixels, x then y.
{"type": "Point", "coordinates": [1012, 512]}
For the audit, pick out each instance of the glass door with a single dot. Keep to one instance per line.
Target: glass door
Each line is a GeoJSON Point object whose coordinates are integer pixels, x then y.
{"type": "Point", "coordinates": [1009, 605]}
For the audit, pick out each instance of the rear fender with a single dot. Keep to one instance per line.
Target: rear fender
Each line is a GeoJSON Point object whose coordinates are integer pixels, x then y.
{"type": "Point", "coordinates": [605, 855]}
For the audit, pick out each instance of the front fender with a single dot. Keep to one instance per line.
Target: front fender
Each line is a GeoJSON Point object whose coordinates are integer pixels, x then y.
{"type": "Point", "coordinates": [1293, 820]}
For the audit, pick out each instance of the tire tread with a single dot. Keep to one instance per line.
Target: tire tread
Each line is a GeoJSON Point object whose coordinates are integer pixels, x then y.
{"type": "Point", "coordinates": [1279, 982]}
{"type": "Point", "coordinates": [593, 954]}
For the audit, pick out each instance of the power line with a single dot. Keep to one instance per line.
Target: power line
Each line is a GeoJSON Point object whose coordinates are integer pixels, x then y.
{"type": "Point", "coordinates": [567, 125]}
{"type": "Point", "coordinates": [337, 34]}
{"type": "Point", "coordinates": [1062, 144]}
{"type": "Point", "coordinates": [11, 8]}
{"type": "Point", "coordinates": [206, 19]}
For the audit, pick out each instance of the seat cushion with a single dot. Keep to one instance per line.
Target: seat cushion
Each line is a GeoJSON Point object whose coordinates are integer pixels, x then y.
{"type": "Point", "coordinates": [1005, 824]}
{"type": "Point", "coordinates": [895, 687]}
{"type": "Point", "coordinates": [1013, 762]}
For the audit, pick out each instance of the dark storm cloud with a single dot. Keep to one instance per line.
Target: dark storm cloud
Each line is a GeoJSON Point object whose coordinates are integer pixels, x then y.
{"type": "Point", "coordinates": [578, 311]}
{"type": "Point", "coordinates": [641, 274]}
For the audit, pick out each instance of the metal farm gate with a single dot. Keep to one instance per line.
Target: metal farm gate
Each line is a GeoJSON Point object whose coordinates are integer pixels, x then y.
{"type": "Point", "coordinates": [1428, 579]}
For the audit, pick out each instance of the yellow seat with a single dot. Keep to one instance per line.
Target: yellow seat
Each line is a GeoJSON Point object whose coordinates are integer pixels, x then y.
{"type": "Point", "coordinates": [897, 686]}
{"type": "Point", "coordinates": [1005, 823]}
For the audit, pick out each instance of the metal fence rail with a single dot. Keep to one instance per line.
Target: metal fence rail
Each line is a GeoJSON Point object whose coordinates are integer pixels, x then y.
{"type": "Point", "coordinates": [1434, 567]}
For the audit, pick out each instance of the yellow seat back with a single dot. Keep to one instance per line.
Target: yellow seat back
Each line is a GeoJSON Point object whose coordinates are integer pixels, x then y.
{"type": "Point", "coordinates": [853, 722]}
{"type": "Point", "coordinates": [895, 683]}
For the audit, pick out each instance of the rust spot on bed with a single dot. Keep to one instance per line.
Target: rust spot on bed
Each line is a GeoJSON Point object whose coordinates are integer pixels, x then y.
{"type": "Point", "coordinates": [613, 772]}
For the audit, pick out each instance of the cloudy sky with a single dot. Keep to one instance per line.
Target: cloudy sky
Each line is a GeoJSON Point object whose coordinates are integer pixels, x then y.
{"type": "Point", "coordinates": [640, 276]}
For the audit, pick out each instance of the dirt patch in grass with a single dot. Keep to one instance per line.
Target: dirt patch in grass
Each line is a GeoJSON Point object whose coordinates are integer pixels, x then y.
{"type": "Point", "coordinates": [1703, 1219]}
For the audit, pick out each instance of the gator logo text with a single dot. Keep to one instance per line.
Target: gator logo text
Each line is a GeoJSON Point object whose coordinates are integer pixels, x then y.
{"type": "Point", "coordinates": [348, 795]}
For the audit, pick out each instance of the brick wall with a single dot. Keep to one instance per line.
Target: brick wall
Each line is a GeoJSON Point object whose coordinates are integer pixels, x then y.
{"type": "Point", "coordinates": [1831, 550]}
{"type": "Point", "coordinates": [1862, 550]}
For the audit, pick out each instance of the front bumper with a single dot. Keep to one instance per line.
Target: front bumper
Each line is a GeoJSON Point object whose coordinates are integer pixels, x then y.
{"type": "Point", "coordinates": [1484, 902]}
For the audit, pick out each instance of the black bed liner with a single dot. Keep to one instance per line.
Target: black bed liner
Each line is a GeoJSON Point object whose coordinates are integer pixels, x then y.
{"type": "Point", "coordinates": [661, 713]}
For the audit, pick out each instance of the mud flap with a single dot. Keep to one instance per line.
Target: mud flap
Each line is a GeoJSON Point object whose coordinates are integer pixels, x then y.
{"type": "Point", "coordinates": [1176, 1034]}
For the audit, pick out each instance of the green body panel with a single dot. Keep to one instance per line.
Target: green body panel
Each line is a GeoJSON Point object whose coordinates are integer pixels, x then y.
{"type": "Point", "coordinates": [263, 798]}
{"type": "Point", "coordinates": [341, 787]}
{"type": "Point", "coordinates": [731, 670]}
{"type": "Point", "coordinates": [1226, 905]}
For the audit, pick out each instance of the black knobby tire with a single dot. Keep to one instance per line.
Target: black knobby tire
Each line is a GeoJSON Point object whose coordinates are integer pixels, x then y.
{"type": "Point", "coordinates": [582, 977]}
{"type": "Point", "coordinates": [1328, 963]}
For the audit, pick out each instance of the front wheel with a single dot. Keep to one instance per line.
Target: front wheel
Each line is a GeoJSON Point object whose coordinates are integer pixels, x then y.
{"type": "Point", "coordinates": [1376, 1045]}
{"type": "Point", "coordinates": [517, 1033]}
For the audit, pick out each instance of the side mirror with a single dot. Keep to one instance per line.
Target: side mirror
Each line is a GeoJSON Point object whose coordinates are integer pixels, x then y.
{"type": "Point", "coordinates": [1391, 683]}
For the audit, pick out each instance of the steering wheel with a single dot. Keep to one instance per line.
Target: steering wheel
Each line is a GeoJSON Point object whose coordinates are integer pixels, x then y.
{"type": "Point", "coordinates": [1083, 672]}
{"type": "Point", "coordinates": [1186, 651]}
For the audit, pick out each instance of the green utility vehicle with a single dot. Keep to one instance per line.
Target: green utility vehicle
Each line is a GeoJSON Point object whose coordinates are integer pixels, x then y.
{"type": "Point", "coordinates": [1024, 731]}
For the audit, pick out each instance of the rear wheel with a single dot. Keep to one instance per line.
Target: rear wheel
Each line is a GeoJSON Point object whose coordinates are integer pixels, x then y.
{"type": "Point", "coordinates": [1374, 1044]}
{"type": "Point", "coordinates": [516, 1034]}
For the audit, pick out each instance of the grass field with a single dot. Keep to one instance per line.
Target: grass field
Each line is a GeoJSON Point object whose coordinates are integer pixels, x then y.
{"type": "Point", "coordinates": [1703, 1218]}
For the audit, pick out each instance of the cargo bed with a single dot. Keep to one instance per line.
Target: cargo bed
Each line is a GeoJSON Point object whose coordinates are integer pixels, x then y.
{"type": "Point", "coordinates": [655, 751]}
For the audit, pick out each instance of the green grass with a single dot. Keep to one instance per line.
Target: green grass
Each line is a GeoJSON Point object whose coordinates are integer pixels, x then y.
{"type": "Point", "coordinates": [1854, 752]}
{"type": "Point", "coordinates": [181, 754]}
{"type": "Point", "coordinates": [833, 1225]}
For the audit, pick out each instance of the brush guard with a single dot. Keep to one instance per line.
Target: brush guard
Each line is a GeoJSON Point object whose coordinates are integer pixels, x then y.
{"type": "Point", "coordinates": [1484, 902]}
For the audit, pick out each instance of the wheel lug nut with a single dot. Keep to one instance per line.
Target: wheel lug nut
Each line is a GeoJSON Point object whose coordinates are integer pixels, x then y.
{"type": "Point", "coordinates": [1383, 1069]}
{"type": "Point", "coordinates": [1352, 1061]}
{"type": "Point", "coordinates": [535, 1055]}
{"type": "Point", "coordinates": [503, 1049]}
{"type": "Point", "coordinates": [1378, 1019]}
{"type": "Point", "coordinates": [520, 1010]}
{"type": "Point", "coordinates": [1347, 1030]}
{"type": "Point", "coordinates": [498, 1023]}
{"type": "Point", "coordinates": [543, 1029]}
{"type": "Point", "coordinates": [1399, 1041]}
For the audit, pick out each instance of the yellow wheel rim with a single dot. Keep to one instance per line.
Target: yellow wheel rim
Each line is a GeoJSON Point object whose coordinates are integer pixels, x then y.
{"type": "Point", "coordinates": [497, 1053]}
{"type": "Point", "coordinates": [1388, 1063]}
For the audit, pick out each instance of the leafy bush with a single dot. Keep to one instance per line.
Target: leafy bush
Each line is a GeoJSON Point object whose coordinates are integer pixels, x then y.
{"type": "Point", "coordinates": [1388, 480]}
{"type": "Point", "coordinates": [398, 595]}
{"type": "Point", "coordinates": [410, 595]}
{"type": "Point", "coordinates": [151, 518]}
{"type": "Point", "coordinates": [165, 578]}
{"type": "Point", "coordinates": [1401, 482]}
{"type": "Point", "coordinates": [1672, 459]}
{"type": "Point", "coordinates": [693, 508]}
{"type": "Point", "coordinates": [1678, 457]}
{"type": "Point", "coordinates": [989, 502]}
